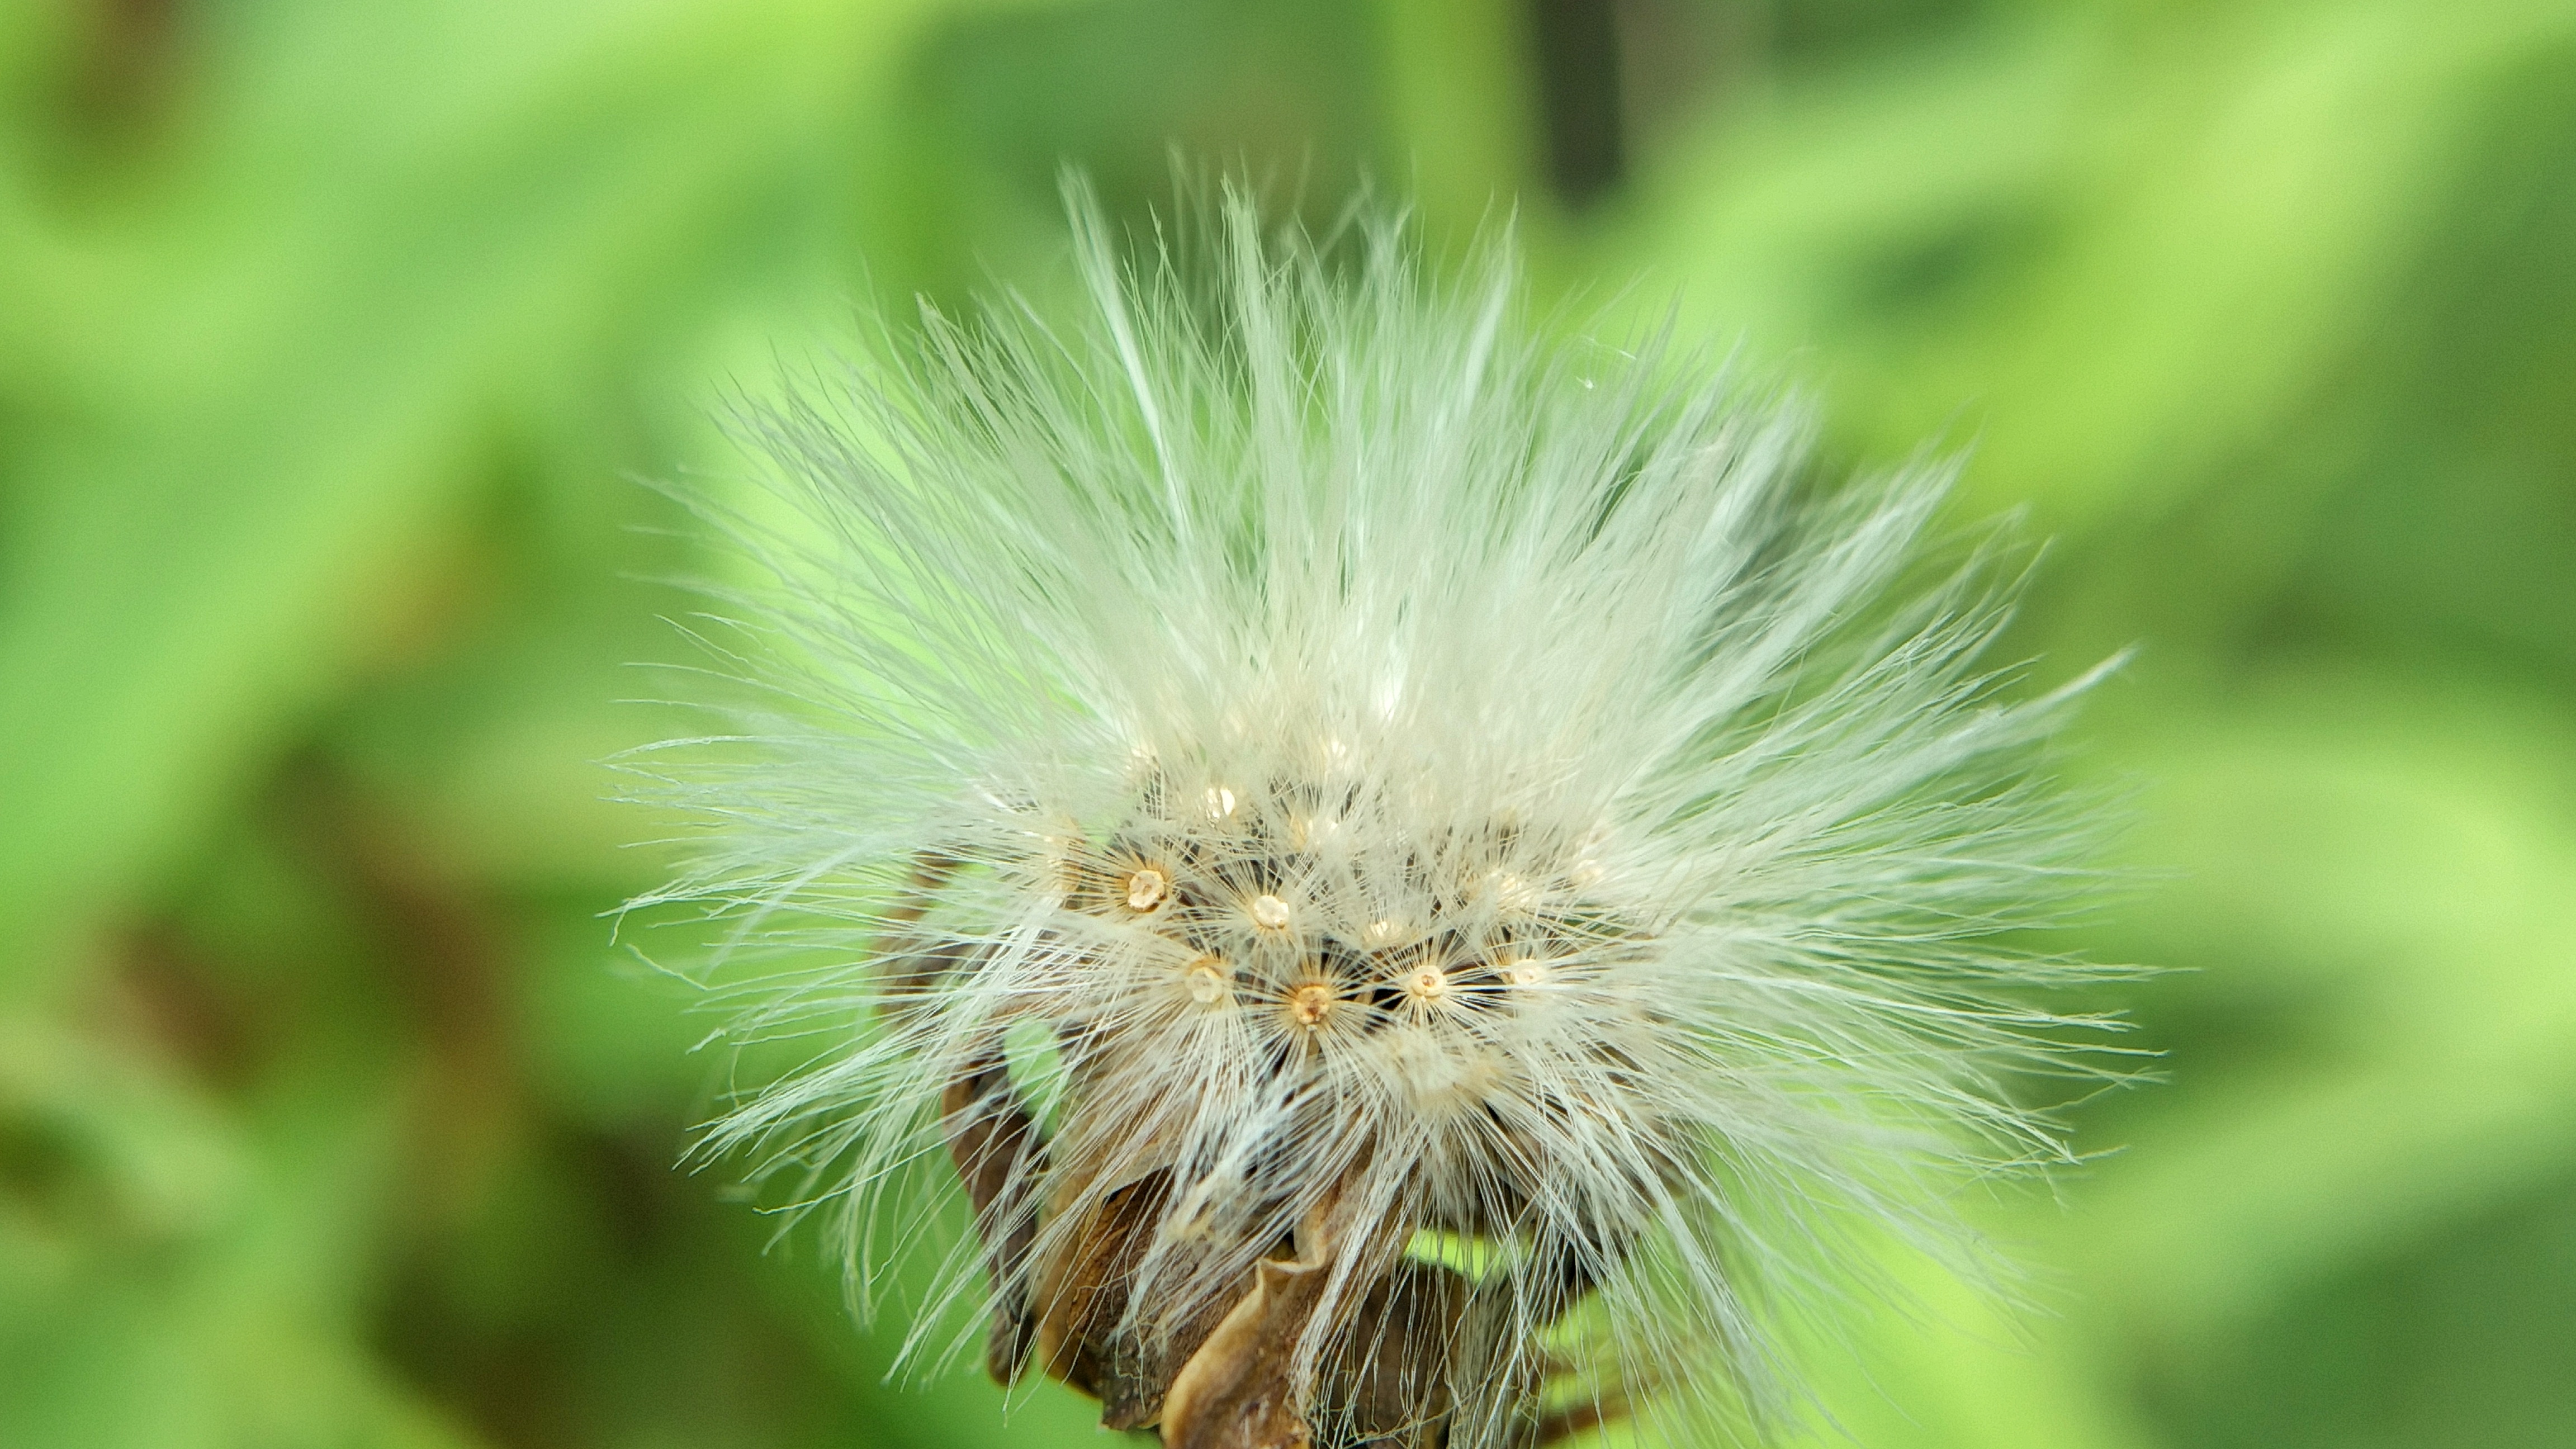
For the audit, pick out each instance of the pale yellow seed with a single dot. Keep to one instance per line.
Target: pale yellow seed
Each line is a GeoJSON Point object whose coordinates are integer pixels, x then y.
{"type": "Point", "coordinates": [1310, 1003]}
{"type": "Point", "coordinates": [1428, 984]}
{"type": "Point", "coordinates": [1146, 889]}
{"type": "Point", "coordinates": [1220, 803]}
{"type": "Point", "coordinates": [1270, 913]}
{"type": "Point", "coordinates": [1207, 981]}
{"type": "Point", "coordinates": [1526, 973]}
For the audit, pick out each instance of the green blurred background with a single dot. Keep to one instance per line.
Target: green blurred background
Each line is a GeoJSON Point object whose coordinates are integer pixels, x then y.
{"type": "Point", "coordinates": [334, 336]}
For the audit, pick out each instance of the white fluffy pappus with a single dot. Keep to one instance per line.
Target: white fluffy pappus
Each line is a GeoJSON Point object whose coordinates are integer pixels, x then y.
{"type": "Point", "coordinates": [1429, 882]}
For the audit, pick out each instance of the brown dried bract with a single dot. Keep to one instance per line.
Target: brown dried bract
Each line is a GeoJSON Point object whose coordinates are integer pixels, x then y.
{"type": "Point", "coordinates": [1408, 1344]}
{"type": "Point", "coordinates": [1085, 1285]}
{"type": "Point", "coordinates": [994, 1141]}
{"type": "Point", "coordinates": [1239, 1391]}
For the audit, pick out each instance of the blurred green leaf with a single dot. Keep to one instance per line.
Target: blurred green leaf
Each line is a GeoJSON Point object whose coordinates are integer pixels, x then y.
{"type": "Point", "coordinates": [301, 340]}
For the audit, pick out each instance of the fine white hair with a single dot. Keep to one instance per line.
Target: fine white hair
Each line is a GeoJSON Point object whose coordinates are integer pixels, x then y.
{"type": "Point", "coordinates": [1332, 749]}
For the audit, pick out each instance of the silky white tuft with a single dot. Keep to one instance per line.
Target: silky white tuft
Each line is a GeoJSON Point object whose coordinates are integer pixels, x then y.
{"type": "Point", "coordinates": [1430, 882]}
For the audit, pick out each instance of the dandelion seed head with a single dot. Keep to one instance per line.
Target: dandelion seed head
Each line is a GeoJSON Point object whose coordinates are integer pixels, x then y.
{"type": "Point", "coordinates": [1413, 777]}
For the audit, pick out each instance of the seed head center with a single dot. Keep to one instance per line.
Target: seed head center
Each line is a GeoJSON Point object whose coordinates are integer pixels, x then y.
{"type": "Point", "coordinates": [1270, 913]}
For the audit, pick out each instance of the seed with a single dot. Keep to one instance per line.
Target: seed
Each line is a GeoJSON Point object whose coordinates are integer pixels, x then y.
{"type": "Point", "coordinates": [1270, 913]}
{"type": "Point", "coordinates": [1207, 981]}
{"type": "Point", "coordinates": [1146, 889]}
{"type": "Point", "coordinates": [1310, 1003]}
